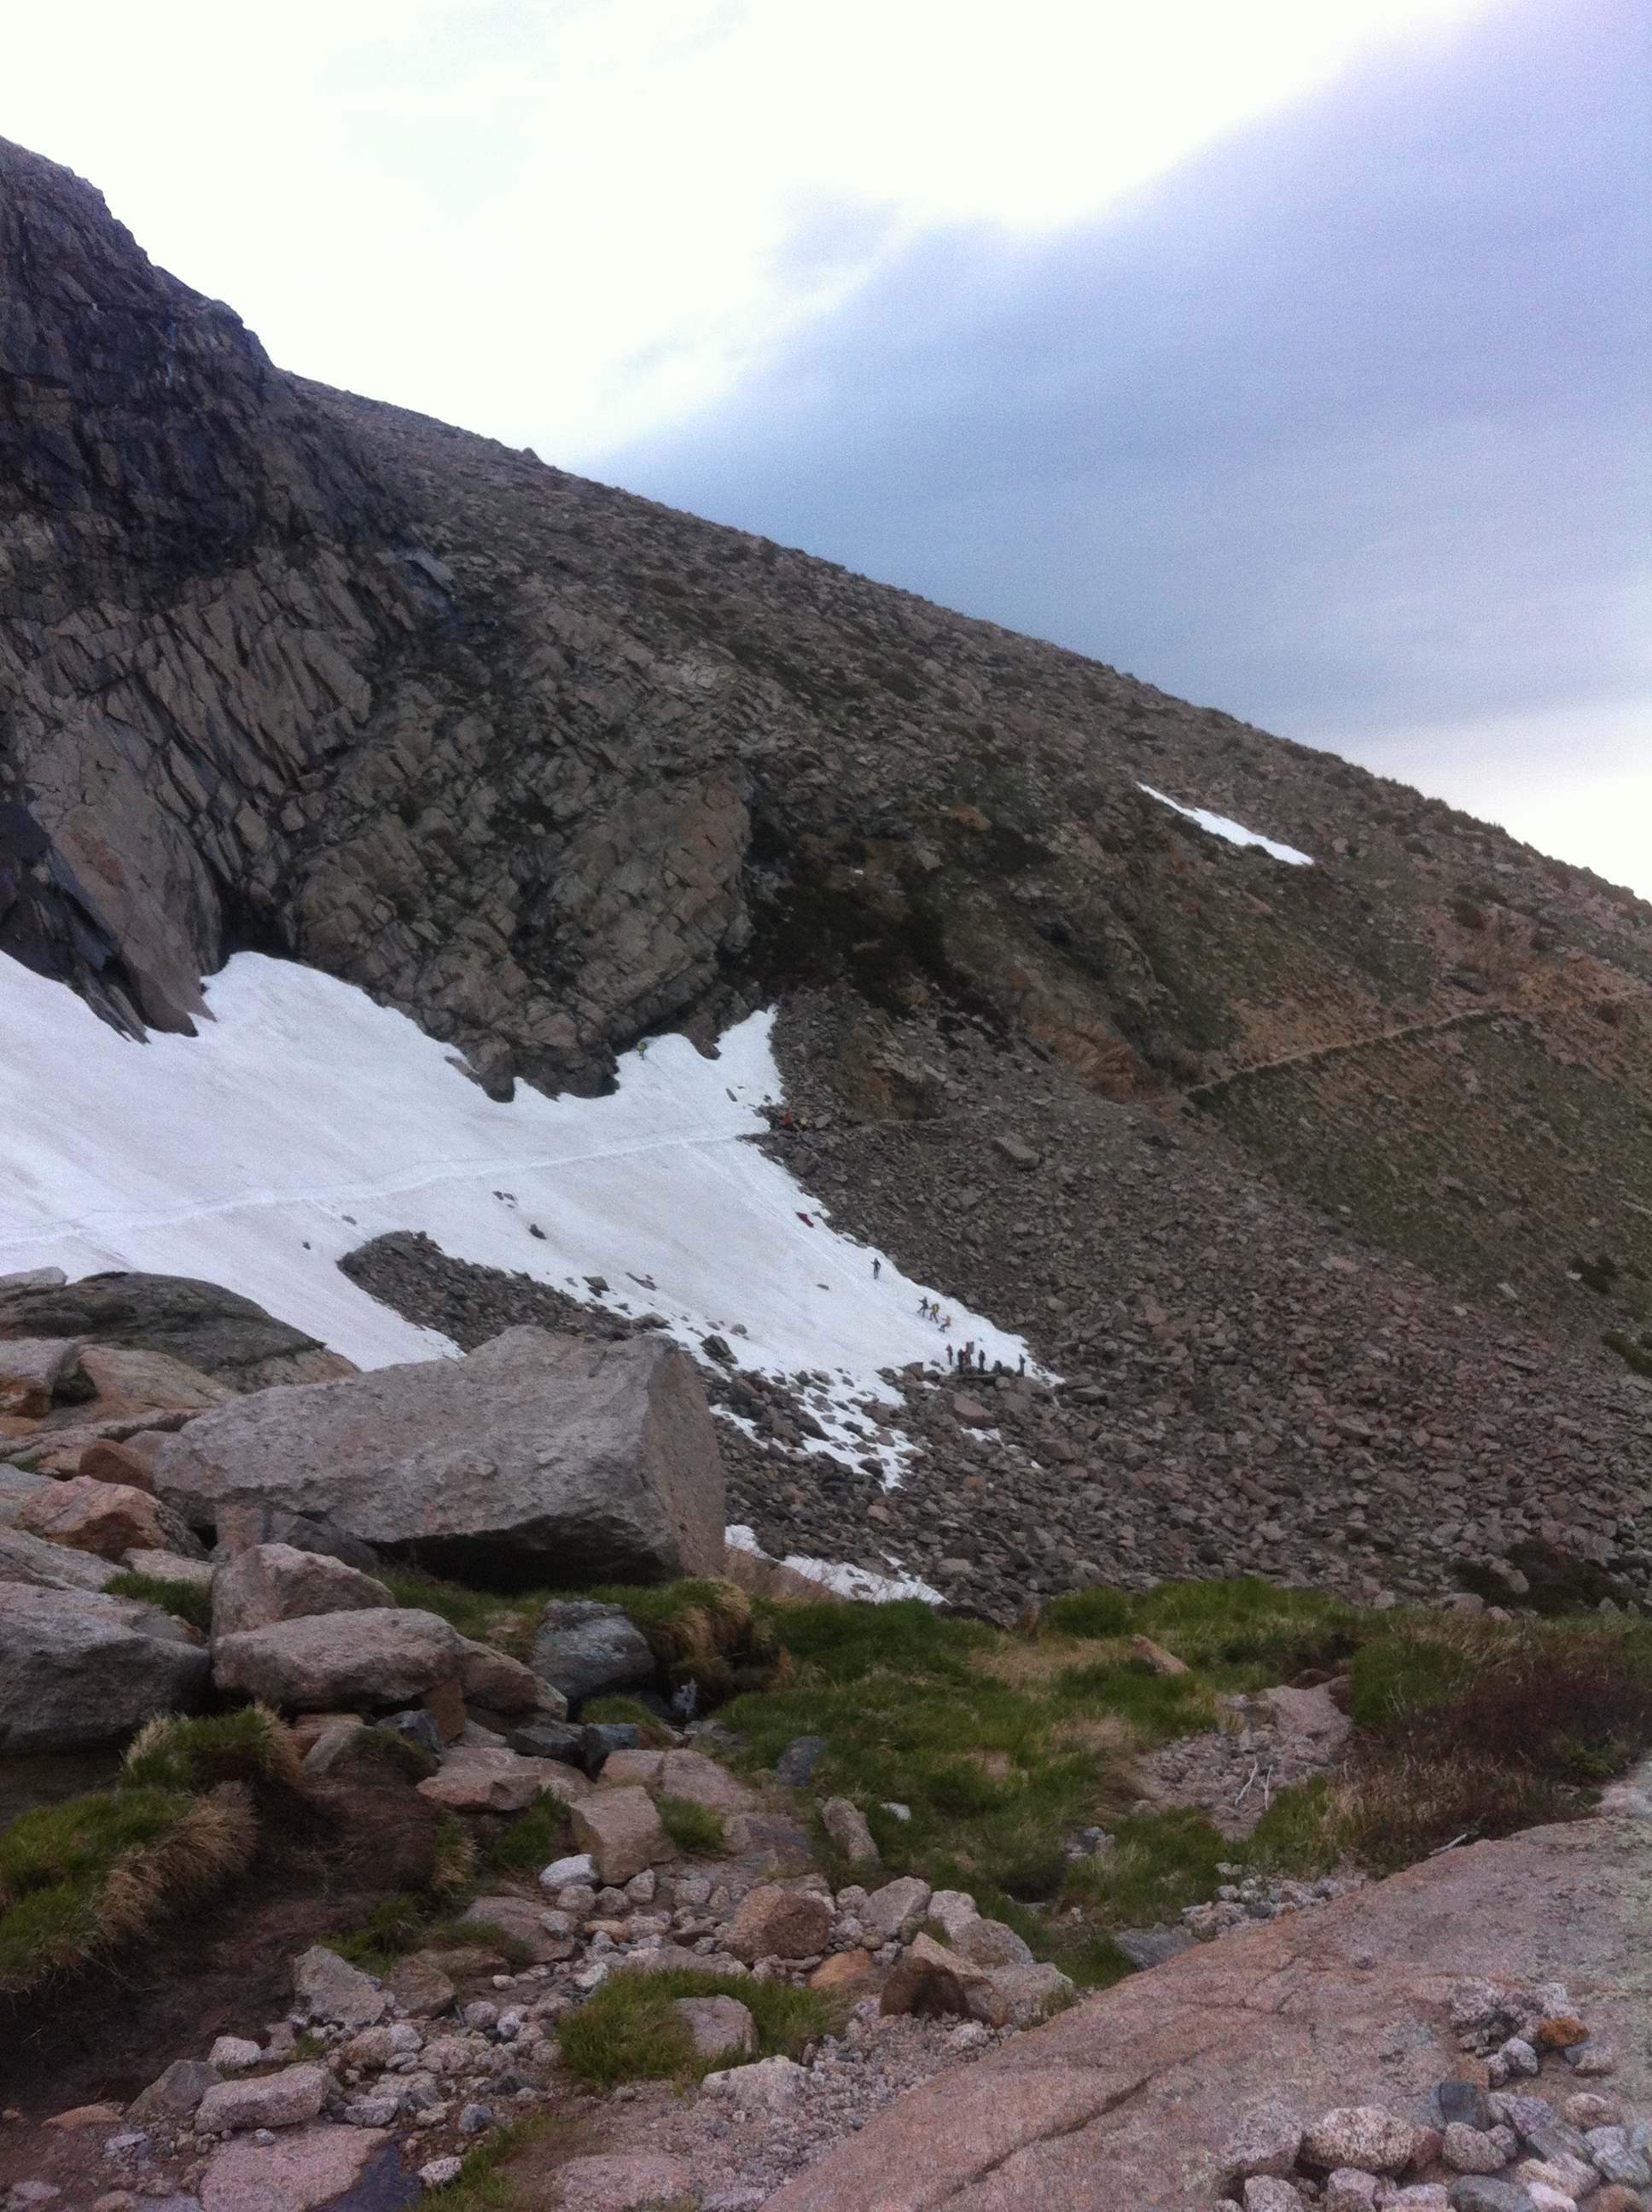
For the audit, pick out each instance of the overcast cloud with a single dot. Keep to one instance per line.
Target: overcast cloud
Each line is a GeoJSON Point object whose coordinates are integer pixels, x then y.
{"type": "Point", "coordinates": [1343, 427]}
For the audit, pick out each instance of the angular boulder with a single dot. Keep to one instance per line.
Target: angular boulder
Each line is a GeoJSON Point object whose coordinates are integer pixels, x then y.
{"type": "Point", "coordinates": [540, 1457]}
{"type": "Point", "coordinates": [25, 1558]}
{"type": "Point", "coordinates": [587, 1649]}
{"type": "Point", "coordinates": [324, 1661]}
{"type": "Point", "coordinates": [88, 1516]}
{"type": "Point", "coordinates": [500, 1684]}
{"type": "Point", "coordinates": [78, 1670]}
{"type": "Point", "coordinates": [286, 2100]}
{"type": "Point", "coordinates": [31, 1369]}
{"type": "Point", "coordinates": [489, 1778]}
{"type": "Point", "coordinates": [773, 1923]}
{"type": "Point", "coordinates": [328, 1988]}
{"type": "Point", "coordinates": [269, 1583]}
{"type": "Point", "coordinates": [621, 1832]}
{"type": "Point", "coordinates": [16, 1488]}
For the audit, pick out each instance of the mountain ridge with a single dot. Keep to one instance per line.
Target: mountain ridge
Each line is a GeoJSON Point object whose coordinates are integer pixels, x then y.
{"type": "Point", "coordinates": [548, 768]}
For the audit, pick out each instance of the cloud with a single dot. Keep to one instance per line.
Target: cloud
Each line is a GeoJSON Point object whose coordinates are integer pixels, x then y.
{"type": "Point", "coordinates": [1343, 427]}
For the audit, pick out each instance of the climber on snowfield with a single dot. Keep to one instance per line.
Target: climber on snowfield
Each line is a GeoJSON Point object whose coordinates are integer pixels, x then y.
{"type": "Point", "coordinates": [877, 1269]}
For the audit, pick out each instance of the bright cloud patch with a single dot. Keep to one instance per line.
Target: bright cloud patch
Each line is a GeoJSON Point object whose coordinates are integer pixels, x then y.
{"type": "Point", "coordinates": [305, 1120]}
{"type": "Point", "coordinates": [1219, 825]}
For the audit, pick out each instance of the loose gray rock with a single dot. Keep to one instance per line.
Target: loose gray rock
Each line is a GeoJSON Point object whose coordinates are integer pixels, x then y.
{"type": "Point", "coordinates": [268, 1583]}
{"type": "Point", "coordinates": [898, 1910]}
{"type": "Point", "coordinates": [78, 1669]}
{"type": "Point", "coordinates": [584, 1649]}
{"type": "Point", "coordinates": [538, 1456]}
{"type": "Point", "coordinates": [719, 2026]}
{"type": "Point", "coordinates": [327, 1661]}
{"type": "Point", "coordinates": [419, 1727]}
{"type": "Point", "coordinates": [846, 1824]}
{"type": "Point", "coordinates": [286, 2100]}
{"type": "Point", "coordinates": [799, 1759]}
{"type": "Point", "coordinates": [990, 1943]}
{"type": "Point", "coordinates": [175, 2095]}
{"type": "Point", "coordinates": [1152, 1947]}
{"type": "Point", "coordinates": [328, 1988]}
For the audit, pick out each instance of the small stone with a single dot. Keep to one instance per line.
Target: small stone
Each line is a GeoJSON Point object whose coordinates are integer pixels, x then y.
{"type": "Point", "coordinates": [775, 1922]}
{"type": "Point", "coordinates": [719, 2026]}
{"type": "Point", "coordinates": [476, 2120]}
{"type": "Point", "coordinates": [1365, 2135]}
{"type": "Point", "coordinates": [772, 2083]}
{"type": "Point", "coordinates": [1586, 2111]}
{"type": "Point", "coordinates": [846, 1824]}
{"type": "Point", "coordinates": [1518, 2056]}
{"type": "Point", "coordinates": [990, 1943]}
{"type": "Point", "coordinates": [372, 2112]}
{"type": "Point", "coordinates": [621, 1831]}
{"type": "Point", "coordinates": [176, 2094]}
{"type": "Point", "coordinates": [84, 2116]}
{"type": "Point", "coordinates": [328, 1988]}
{"type": "Point", "coordinates": [1616, 2162]}
{"type": "Point", "coordinates": [1560, 2033]}
{"type": "Point", "coordinates": [898, 1909]}
{"type": "Point", "coordinates": [1482, 2192]}
{"type": "Point", "coordinates": [1267, 2193]}
{"type": "Point", "coordinates": [847, 1970]}
{"type": "Point", "coordinates": [950, 1910]}
{"type": "Point", "coordinates": [438, 2173]}
{"type": "Point", "coordinates": [1474, 2150]}
{"type": "Point", "coordinates": [1592, 2058]}
{"type": "Point", "coordinates": [276, 2100]}
{"type": "Point", "coordinates": [420, 1987]}
{"type": "Point", "coordinates": [1348, 2189]}
{"type": "Point", "coordinates": [799, 1759]}
{"type": "Point", "coordinates": [1267, 2142]}
{"type": "Point", "coordinates": [579, 1867]}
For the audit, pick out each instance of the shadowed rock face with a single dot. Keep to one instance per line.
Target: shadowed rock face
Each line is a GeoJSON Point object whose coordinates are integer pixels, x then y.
{"type": "Point", "coordinates": [547, 768]}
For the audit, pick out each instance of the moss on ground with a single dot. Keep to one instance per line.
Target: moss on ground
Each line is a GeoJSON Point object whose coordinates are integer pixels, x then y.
{"type": "Point", "coordinates": [630, 2032]}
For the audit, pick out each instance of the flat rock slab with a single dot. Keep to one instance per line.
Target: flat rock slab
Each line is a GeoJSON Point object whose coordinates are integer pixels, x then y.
{"type": "Point", "coordinates": [331, 1660]}
{"type": "Point", "coordinates": [1127, 2101]}
{"type": "Point", "coordinates": [539, 1457]}
{"type": "Point", "coordinates": [300, 2171]}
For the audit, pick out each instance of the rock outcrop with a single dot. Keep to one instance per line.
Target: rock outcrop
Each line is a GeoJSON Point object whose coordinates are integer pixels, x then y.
{"type": "Point", "coordinates": [78, 1670]}
{"type": "Point", "coordinates": [537, 1459]}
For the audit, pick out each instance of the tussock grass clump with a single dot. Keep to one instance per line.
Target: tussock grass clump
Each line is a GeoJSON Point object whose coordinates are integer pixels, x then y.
{"type": "Point", "coordinates": [630, 2032]}
{"type": "Point", "coordinates": [190, 1601]}
{"type": "Point", "coordinates": [532, 1839]}
{"type": "Point", "coordinates": [695, 1829]}
{"type": "Point", "coordinates": [251, 1746]}
{"type": "Point", "coordinates": [707, 1633]}
{"type": "Point", "coordinates": [77, 1878]}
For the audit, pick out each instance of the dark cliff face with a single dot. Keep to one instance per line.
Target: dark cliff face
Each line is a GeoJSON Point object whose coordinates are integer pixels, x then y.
{"type": "Point", "coordinates": [145, 437]}
{"type": "Point", "coordinates": [547, 767]}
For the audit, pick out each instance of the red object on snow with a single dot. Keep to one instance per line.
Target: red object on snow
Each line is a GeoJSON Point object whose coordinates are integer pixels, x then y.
{"type": "Point", "coordinates": [804, 1220]}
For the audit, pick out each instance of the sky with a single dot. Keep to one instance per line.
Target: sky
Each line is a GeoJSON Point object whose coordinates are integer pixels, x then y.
{"type": "Point", "coordinates": [1294, 357]}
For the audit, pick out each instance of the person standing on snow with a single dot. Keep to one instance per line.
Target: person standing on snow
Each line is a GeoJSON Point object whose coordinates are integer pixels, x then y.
{"type": "Point", "coordinates": [877, 1269]}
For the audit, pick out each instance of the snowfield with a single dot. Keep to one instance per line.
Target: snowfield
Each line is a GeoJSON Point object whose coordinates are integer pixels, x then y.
{"type": "Point", "coordinates": [305, 1120]}
{"type": "Point", "coordinates": [1222, 825]}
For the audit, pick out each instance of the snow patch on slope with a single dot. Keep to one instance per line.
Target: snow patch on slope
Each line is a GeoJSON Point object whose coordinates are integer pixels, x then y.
{"type": "Point", "coordinates": [305, 1120]}
{"type": "Point", "coordinates": [1222, 825]}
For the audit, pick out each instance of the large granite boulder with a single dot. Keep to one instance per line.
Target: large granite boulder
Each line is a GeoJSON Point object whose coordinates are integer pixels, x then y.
{"type": "Point", "coordinates": [26, 1559]}
{"type": "Point", "coordinates": [272, 1582]}
{"type": "Point", "coordinates": [79, 1669]}
{"type": "Point", "coordinates": [210, 1330]}
{"type": "Point", "coordinates": [330, 1661]}
{"type": "Point", "coordinates": [540, 1458]}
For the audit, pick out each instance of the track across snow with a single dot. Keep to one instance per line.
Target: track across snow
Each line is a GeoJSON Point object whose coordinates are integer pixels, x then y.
{"type": "Point", "coordinates": [305, 1120]}
{"type": "Point", "coordinates": [1224, 825]}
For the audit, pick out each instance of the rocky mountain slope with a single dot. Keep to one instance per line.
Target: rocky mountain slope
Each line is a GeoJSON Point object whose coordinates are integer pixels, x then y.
{"type": "Point", "coordinates": [548, 768]}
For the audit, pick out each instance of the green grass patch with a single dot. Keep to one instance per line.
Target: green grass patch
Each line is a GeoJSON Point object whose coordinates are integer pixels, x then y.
{"type": "Point", "coordinates": [491, 2180]}
{"type": "Point", "coordinates": [79, 1877]}
{"type": "Point", "coordinates": [630, 2032]}
{"type": "Point", "coordinates": [533, 1838]}
{"type": "Point", "coordinates": [190, 1601]}
{"type": "Point", "coordinates": [251, 1745]}
{"type": "Point", "coordinates": [696, 1830]}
